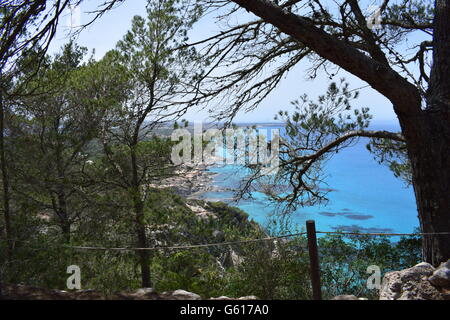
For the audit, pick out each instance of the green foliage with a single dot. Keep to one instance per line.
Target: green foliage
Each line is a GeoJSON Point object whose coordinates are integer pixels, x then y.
{"type": "Point", "coordinates": [271, 271]}
{"type": "Point", "coordinates": [51, 128]}
{"type": "Point", "coordinates": [192, 270]}
{"type": "Point", "coordinates": [405, 12]}
{"type": "Point", "coordinates": [315, 132]}
{"type": "Point", "coordinates": [268, 269]}
{"type": "Point", "coordinates": [154, 70]}
{"type": "Point", "coordinates": [344, 261]}
{"type": "Point", "coordinates": [229, 214]}
{"type": "Point", "coordinates": [331, 115]}
{"type": "Point", "coordinates": [394, 155]}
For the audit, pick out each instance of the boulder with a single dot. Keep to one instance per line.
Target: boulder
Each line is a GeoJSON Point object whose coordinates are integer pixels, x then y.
{"type": "Point", "coordinates": [441, 276]}
{"type": "Point", "coordinates": [249, 298]}
{"type": "Point", "coordinates": [221, 298]}
{"type": "Point", "coordinates": [345, 297]}
{"type": "Point", "coordinates": [140, 294]}
{"type": "Point", "coordinates": [241, 298]}
{"type": "Point", "coordinates": [410, 284]}
{"type": "Point", "coordinates": [185, 295]}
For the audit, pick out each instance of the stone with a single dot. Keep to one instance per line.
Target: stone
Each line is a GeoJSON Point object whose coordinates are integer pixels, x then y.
{"type": "Point", "coordinates": [446, 293]}
{"type": "Point", "coordinates": [221, 298]}
{"type": "Point", "coordinates": [345, 297]}
{"type": "Point", "coordinates": [249, 298]}
{"type": "Point", "coordinates": [139, 294]}
{"type": "Point", "coordinates": [185, 295]}
{"type": "Point", "coordinates": [231, 259]}
{"type": "Point", "coordinates": [144, 291]}
{"type": "Point", "coordinates": [219, 235]}
{"type": "Point", "coordinates": [410, 284]}
{"type": "Point", "coordinates": [22, 292]}
{"type": "Point", "coordinates": [441, 276]}
{"type": "Point", "coordinates": [241, 298]}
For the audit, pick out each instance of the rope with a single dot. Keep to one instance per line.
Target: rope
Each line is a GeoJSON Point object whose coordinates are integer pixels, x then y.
{"type": "Point", "coordinates": [235, 242]}
{"type": "Point", "coordinates": [189, 246]}
{"type": "Point", "coordinates": [173, 247]}
{"type": "Point", "coordinates": [383, 234]}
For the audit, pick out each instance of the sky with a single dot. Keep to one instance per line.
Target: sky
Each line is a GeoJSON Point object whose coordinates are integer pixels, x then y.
{"type": "Point", "coordinates": [105, 32]}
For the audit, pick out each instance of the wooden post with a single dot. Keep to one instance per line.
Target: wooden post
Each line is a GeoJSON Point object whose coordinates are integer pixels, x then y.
{"type": "Point", "coordinates": [314, 259]}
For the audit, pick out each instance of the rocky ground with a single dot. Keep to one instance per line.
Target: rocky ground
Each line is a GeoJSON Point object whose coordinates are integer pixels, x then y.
{"type": "Point", "coordinates": [22, 292]}
{"type": "Point", "coordinates": [421, 282]}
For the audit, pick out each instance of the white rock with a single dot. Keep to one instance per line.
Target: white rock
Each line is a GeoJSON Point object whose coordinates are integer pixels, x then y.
{"type": "Point", "coordinates": [221, 298]}
{"type": "Point", "coordinates": [144, 291]}
{"type": "Point", "coordinates": [249, 298]}
{"type": "Point", "coordinates": [186, 295]}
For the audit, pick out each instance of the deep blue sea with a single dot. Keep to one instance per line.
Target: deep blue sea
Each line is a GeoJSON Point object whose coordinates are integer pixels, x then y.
{"type": "Point", "coordinates": [365, 195]}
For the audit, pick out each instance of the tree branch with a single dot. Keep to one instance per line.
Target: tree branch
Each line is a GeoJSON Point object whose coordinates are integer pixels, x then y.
{"type": "Point", "coordinates": [404, 95]}
{"type": "Point", "coordinates": [351, 134]}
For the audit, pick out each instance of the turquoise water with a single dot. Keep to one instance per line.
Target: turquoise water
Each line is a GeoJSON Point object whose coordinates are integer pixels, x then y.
{"type": "Point", "coordinates": [365, 195]}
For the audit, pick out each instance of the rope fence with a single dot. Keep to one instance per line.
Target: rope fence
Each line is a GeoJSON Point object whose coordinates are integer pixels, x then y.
{"type": "Point", "coordinates": [178, 247]}
{"type": "Point", "coordinates": [312, 247]}
{"type": "Point", "coordinates": [384, 234]}
{"type": "Point", "coordinates": [230, 242]}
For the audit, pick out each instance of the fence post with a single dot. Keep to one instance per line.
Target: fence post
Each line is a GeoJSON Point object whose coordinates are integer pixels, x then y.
{"type": "Point", "coordinates": [314, 259]}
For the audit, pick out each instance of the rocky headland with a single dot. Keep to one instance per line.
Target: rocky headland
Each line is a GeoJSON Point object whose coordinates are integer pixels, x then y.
{"type": "Point", "coordinates": [190, 181]}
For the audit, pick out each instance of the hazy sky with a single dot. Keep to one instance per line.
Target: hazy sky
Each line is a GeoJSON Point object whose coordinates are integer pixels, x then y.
{"type": "Point", "coordinates": [104, 34]}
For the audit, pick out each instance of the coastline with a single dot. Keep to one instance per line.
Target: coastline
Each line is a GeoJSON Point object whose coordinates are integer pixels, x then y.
{"type": "Point", "coordinates": [191, 181]}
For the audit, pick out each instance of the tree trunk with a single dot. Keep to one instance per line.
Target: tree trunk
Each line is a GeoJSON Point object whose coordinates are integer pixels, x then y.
{"type": "Point", "coordinates": [64, 216]}
{"type": "Point", "coordinates": [431, 156]}
{"type": "Point", "coordinates": [144, 256]}
{"type": "Point", "coordinates": [65, 228]}
{"type": "Point", "coordinates": [430, 163]}
{"type": "Point", "coordinates": [5, 181]}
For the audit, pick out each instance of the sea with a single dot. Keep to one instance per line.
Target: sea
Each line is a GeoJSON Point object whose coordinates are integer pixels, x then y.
{"type": "Point", "coordinates": [363, 194]}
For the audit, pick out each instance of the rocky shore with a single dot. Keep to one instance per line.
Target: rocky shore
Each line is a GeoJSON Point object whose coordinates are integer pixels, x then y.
{"type": "Point", "coordinates": [190, 181]}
